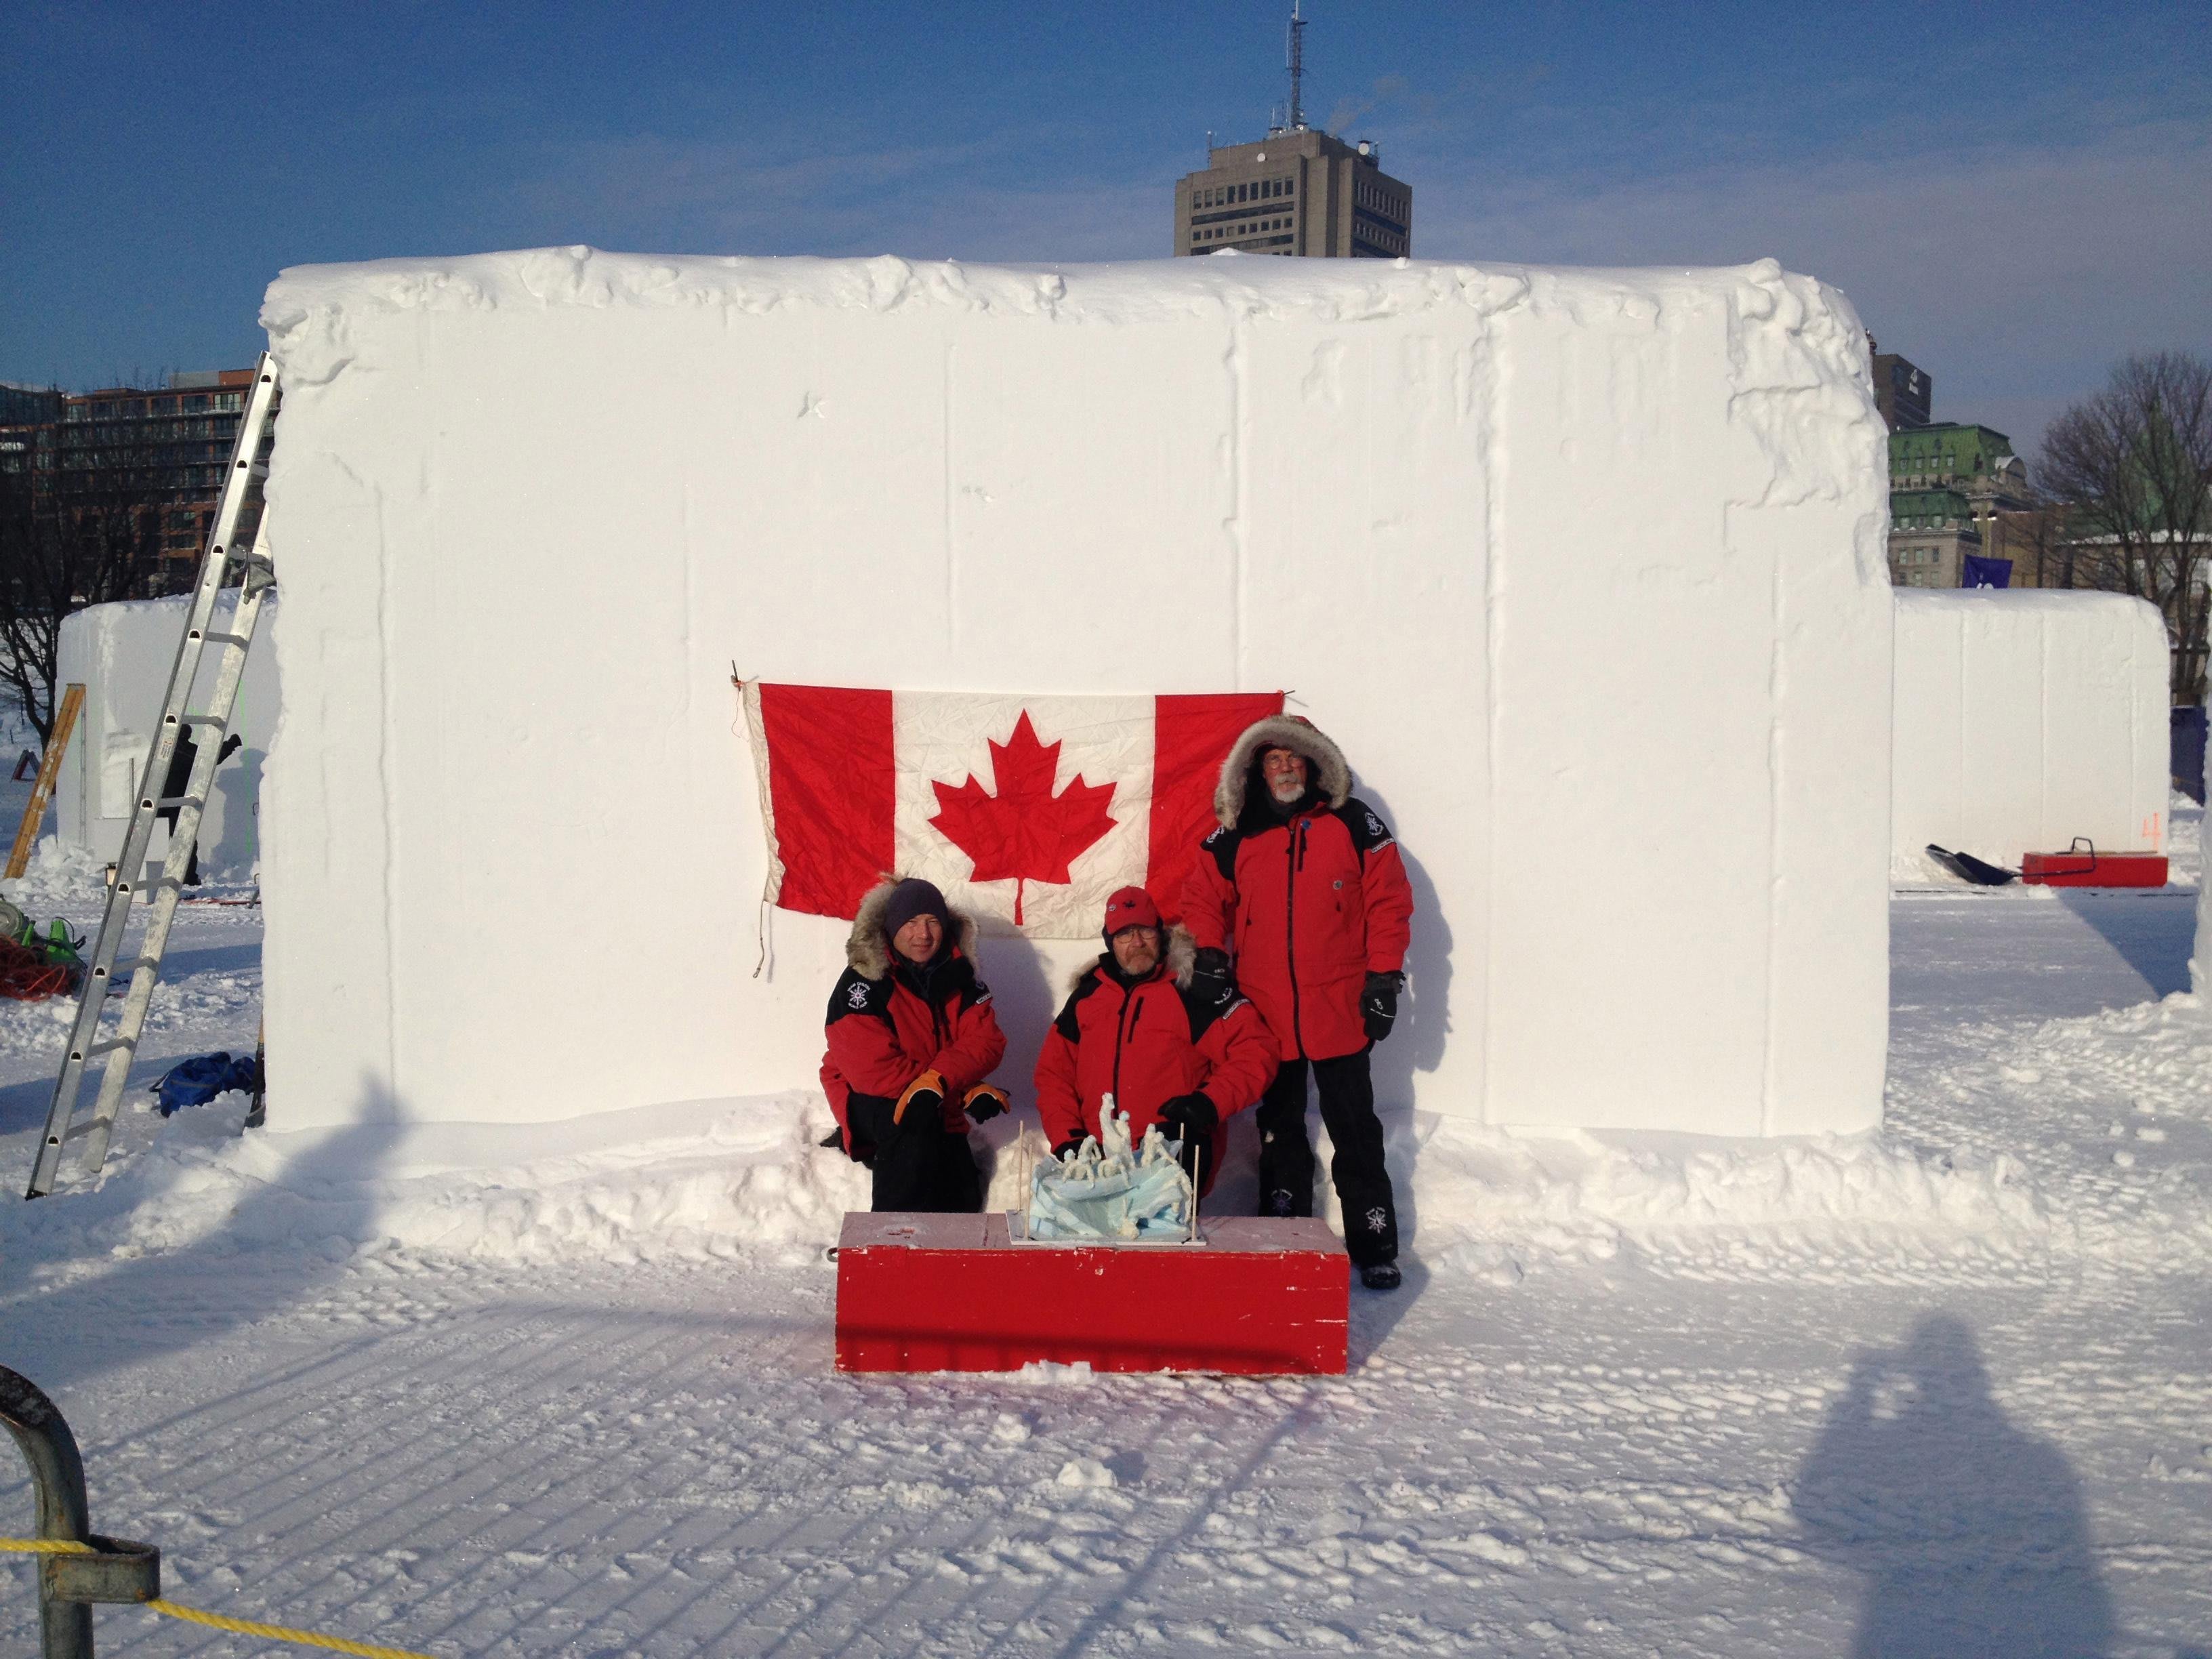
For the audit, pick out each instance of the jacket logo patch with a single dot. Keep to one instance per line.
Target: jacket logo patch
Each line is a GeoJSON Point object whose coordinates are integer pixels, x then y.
{"type": "Point", "coordinates": [1374, 827]}
{"type": "Point", "coordinates": [857, 997]}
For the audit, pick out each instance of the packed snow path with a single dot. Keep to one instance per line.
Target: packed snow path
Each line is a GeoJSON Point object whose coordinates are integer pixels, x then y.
{"type": "Point", "coordinates": [1906, 1433]}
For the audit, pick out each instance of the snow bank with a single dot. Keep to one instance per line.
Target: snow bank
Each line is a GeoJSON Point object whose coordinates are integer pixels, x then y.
{"type": "Point", "coordinates": [124, 654]}
{"type": "Point", "coordinates": [2023, 719]}
{"type": "Point", "coordinates": [710, 1179]}
{"type": "Point", "coordinates": [692, 1180]}
{"type": "Point", "coordinates": [1494, 1202]}
{"type": "Point", "coordinates": [1539, 547]}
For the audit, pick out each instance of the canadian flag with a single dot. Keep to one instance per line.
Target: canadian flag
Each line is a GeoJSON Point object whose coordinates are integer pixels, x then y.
{"type": "Point", "coordinates": [1025, 810]}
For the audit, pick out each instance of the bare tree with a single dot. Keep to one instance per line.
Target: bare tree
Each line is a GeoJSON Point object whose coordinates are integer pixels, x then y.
{"type": "Point", "coordinates": [2133, 463]}
{"type": "Point", "coordinates": [82, 531]}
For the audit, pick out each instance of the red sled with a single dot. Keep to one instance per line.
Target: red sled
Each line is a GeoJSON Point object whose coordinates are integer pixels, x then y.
{"type": "Point", "coordinates": [2083, 865]}
{"type": "Point", "coordinates": [1261, 1296]}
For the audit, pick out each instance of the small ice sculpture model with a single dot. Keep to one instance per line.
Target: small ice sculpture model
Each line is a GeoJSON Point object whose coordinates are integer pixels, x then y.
{"type": "Point", "coordinates": [1113, 1190]}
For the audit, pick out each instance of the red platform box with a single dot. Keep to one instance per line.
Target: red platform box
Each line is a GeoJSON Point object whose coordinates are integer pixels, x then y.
{"type": "Point", "coordinates": [2087, 869]}
{"type": "Point", "coordinates": [1261, 1296]}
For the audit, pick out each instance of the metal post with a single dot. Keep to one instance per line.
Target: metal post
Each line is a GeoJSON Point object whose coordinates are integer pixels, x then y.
{"type": "Point", "coordinates": [107, 1569]}
{"type": "Point", "coordinates": [57, 1480]}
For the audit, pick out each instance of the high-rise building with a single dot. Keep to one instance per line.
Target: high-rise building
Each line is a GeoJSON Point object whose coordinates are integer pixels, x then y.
{"type": "Point", "coordinates": [1902, 390]}
{"type": "Point", "coordinates": [1296, 192]}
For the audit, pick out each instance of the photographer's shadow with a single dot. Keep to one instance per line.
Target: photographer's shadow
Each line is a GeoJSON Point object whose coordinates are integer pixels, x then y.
{"type": "Point", "coordinates": [1970, 1533]}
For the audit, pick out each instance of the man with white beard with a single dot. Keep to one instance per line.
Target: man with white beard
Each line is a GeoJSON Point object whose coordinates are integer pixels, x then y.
{"type": "Point", "coordinates": [1299, 900]}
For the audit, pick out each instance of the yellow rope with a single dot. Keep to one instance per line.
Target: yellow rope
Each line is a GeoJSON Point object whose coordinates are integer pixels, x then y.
{"type": "Point", "coordinates": [279, 1633]}
{"type": "Point", "coordinates": [242, 1626]}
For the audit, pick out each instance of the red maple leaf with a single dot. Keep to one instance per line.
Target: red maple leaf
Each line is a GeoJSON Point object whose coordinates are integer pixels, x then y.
{"type": "Point", "coordinates": [1024, 833]}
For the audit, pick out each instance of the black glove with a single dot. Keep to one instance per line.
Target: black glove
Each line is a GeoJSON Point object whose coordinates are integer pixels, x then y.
{"type": "Point", "coordinates": [985, 1102]}
{"type": "Point", "coordinates": [1211, 980]}
{"type": "Point", "coordinates": [1073, 1143]}
{"type": "Point", "coordinates": [1378, 1004]}
{"type": "Point", "coordinates": [1192, 1117]}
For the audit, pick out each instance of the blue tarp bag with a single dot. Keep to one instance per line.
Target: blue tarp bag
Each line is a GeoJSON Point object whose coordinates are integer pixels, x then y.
{"type": "Point", "coordinates": [197, 1081]}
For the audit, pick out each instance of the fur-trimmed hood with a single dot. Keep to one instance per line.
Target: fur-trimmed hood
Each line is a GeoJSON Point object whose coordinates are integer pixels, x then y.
{"type": "Point", "coordinates": [1182, 958]}
{"type": "Point", "coordinates": [869, 952]}
{"type": "Point", "coordinates": [1331, 772]}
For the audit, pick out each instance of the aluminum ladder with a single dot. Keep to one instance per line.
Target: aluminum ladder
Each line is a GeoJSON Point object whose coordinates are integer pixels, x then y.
{"type": "Point", "coordinates": [86, 1043]}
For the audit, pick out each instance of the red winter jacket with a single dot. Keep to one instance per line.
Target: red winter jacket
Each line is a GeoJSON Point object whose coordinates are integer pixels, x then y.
{"type": "Point", "coordinates": [1144, 1044]}
{"type": "Point", "coordinates": [1308, 906]}
{"type": "Point", "coordinates": [889, 1022]}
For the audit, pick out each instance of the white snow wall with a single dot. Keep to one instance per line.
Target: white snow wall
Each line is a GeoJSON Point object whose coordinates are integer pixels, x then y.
{"type": "Point", "coordinates": [123, 655]}
{"type": "Point", "coordinates": [1583, 568]}
{"type": "Point", "coordinates": [2025, 719]}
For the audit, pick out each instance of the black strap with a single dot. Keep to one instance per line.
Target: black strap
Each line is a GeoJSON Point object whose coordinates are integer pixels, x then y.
{"type": "Point", "coordinates": [1365, 826]}
{"type": "Point", "coordinates": [1068, 1024]}
{"type": "Point", "coordinates": [853, 995]}
{"type": "Point", "coordinates": [1223, 844]}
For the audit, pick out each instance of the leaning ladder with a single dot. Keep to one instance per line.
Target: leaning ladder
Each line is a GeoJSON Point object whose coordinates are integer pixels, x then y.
{"type": "Point", "coordinates": [117, 1050]}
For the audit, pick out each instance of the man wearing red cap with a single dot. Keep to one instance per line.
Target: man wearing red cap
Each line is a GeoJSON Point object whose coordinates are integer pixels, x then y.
{"type": "Point", "coordinates": [1132, 1028]}
{"type": "Point", "coordinates": [1301, 894]}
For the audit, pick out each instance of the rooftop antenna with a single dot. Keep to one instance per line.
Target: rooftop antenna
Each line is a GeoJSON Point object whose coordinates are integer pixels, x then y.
{"type": "Point", "coordinates": [1298, 60]}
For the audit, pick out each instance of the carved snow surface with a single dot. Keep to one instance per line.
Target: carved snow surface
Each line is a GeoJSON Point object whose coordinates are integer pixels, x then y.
{"type": "Point", "coordinates": [1113, 1190]}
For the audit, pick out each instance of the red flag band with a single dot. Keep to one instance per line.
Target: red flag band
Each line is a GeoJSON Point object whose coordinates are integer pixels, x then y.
{"type": "Point", "coordinates": [1027, 811]}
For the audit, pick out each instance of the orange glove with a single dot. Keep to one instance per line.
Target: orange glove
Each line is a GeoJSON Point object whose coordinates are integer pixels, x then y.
{"type": "Point", "coordinates": [985, 1102]}
{"type": "Point", "coordinates": [926, 1093]}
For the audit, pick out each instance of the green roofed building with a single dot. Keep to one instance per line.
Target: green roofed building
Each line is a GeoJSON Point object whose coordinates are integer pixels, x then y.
{"type": "Point", "coordinates": [1948, 486]}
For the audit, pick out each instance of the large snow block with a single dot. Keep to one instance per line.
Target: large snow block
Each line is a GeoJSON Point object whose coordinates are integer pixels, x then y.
{"type": "Point", "coordinates": [2024, 719]}
{"type": "Point", "coordinates": [1583, 568]}
{"type": "Point", "coordinates": [1261, 1296]}
{"type": "Point", "coordinates": [123, 654]}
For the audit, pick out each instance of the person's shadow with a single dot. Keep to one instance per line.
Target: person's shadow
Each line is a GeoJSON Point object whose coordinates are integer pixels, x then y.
{"type": "Point", "coordinates": [1970, 1533]}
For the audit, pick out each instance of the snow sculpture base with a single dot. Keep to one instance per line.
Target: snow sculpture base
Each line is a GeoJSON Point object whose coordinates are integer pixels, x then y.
{"type": "Point", "coordinates": [1261, 1296]}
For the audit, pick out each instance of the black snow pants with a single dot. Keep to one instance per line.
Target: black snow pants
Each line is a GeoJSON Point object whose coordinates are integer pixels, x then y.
{"type": "Point", "coordinates": [1286, 1155]}
{"type": "Point", "coordinates": [917, 1164]}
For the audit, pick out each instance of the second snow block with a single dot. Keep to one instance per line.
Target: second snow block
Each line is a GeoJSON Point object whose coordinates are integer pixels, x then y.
{"type": "Point", "coordinates": [955, 1293]}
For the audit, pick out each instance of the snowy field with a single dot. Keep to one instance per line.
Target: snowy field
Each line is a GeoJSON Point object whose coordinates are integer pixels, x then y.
{"type": "Point", "coordinates": [1947, 1391]}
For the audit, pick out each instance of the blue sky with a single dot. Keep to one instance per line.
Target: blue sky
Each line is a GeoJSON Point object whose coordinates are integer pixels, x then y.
{"type": "Point", "coordinates": [2015, 196]}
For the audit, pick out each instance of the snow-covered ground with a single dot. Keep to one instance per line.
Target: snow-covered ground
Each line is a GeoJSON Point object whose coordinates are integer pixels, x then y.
{"type": "Point", "coordinates": [1944, 1391]}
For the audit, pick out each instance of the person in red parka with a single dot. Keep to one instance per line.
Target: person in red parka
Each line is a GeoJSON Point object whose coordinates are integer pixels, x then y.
{"type": "Point", "coordinates": [1300, 901]}
{"type": "Point", "coordinates": [1131, 1028]}
{"type": "Point", "coordinates": [912, 1038]}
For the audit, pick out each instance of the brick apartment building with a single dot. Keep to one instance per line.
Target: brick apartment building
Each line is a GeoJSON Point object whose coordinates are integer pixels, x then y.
{"type": "Point", "coordinates": [166, 446]}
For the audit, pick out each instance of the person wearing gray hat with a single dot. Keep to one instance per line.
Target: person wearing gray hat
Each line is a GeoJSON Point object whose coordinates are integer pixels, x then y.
{"type": "Point", "coordinates": [912, 1038]}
